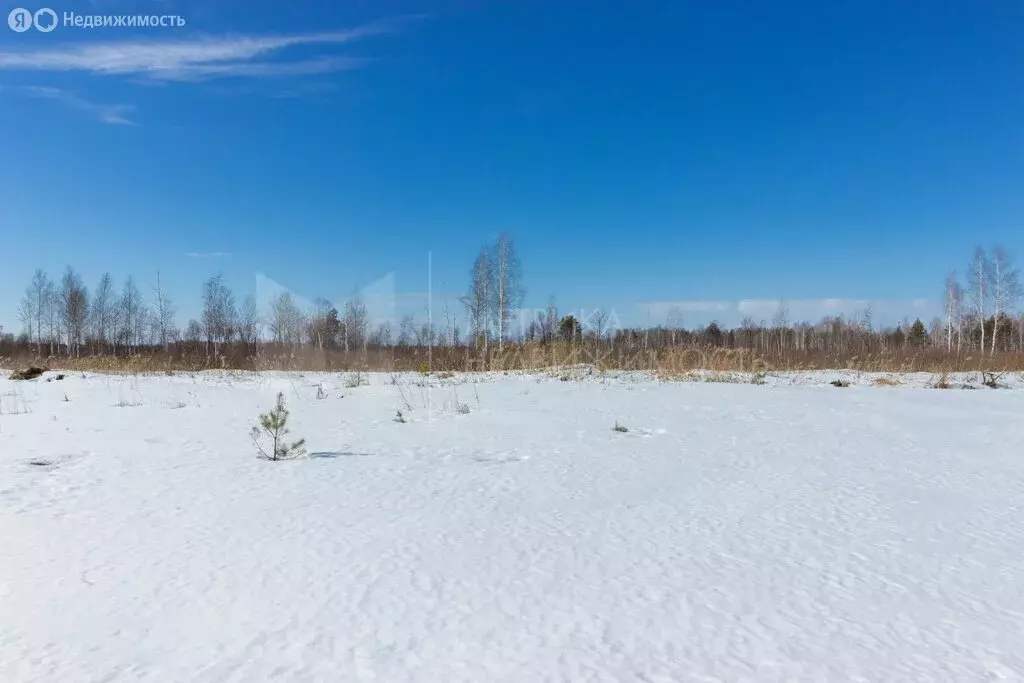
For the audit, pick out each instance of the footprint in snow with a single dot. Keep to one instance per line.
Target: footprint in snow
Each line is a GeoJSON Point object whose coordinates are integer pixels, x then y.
{"type": "Point", "coordinates": [48, 462]}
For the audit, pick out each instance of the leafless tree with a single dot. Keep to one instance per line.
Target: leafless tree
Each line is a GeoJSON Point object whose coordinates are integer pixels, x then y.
{"type": "Point", "coordinates": [508, 283]}
{"type": "Point", "coordinates": [26, 316]}
{"type": "Point", "coordinates": [355, 322]}
{"type": "Point", "coordinates": [979, 272]}
{"type": "Point", "coordinates": [103, 315]}
{"type": "Point", "coordinates": [447, 335]}
{"type": "Point", "coordinates": [51, 316]}
{"type": "Point", "coordinates": [598, 323]}
{"type": "Point", "coordinates": [74, 309]}
{"type": "Point", "coordinates": [286, 319]}
{"type": "Point", "coordinates": [249, 321]}
{"type": "Point", "coordinates": [193, 332]}
{"type": "Point", "coordinates": [780, 323]}
{"type": "Point", "coordinates": [953, 302]}
{"type": "Point", "coordinates": [382, 335]}
{"type": "Point", "coordinates": [406, 330]}
{"type": "Point", "coordinates": [551, 317]}
{"type": "Point", "coordinates": [132, 315]}
{"type": "Point", "coordinates": [1005, 287]}
{"type": "Point", "coordinates": [219, 312]}
{"type": "Point", "coordinates": [163, 314]}
{"type": "Point", "coordinates": [33, 306]}
{"type": "Point", "coordinates": [426, 334]}
{"type": "Point", "coordinates": [674, 322]}
{"type": "Point", "coordinates": [479, 301]}
{"type": "Point", "coordinates": [321, 325]}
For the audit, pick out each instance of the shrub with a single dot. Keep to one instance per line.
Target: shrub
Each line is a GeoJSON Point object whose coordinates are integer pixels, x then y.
{"type": "Point", "coordinates": [619, 428]}
{"type": "Point", "coordinates": [273, 426]}
{"type": "Point", "coordinates": [759, 373]}
{"type": "Point", "coordinates": [354, 380]}
{"type": "Point", "coordinates": [841, 383]}
{"type": "Point", "coordinates": [991, 379]}
{"type": "Point", "coordinates": [28, 373]}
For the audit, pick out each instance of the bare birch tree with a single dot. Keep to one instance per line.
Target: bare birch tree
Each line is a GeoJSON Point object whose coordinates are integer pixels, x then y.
{"type": "Point", "coordinates": [674, 322]}
{"type": "Point", "coordinates": [355, 322]}
{"type": "Point", "coordinates": [74, 309]}
{"type": "Point", "coordinates": [131, 315]}
{"type": "Point", "coordinates": [597, 323]}
{"type": "Point", "coordinates": [51, 316]}
{"type": "Point", "coordinates": [780, 323]}
{"type": "Point", "coordinates": [249, 321]}
{"type": "Point", "coordinates": [547, 321]}
{"type": "Point", "coordinates": [406, 329]}
{"type": "Point", "coordinates": [508, 283]}
{"type": "Point", "coordinates": [953, 301]}
{"type": "Point", "coordinates": [382, 335]}
{"type": "Point", "coordinates": [285, 319]}
{"type": "Point", "coordinates": [33, 306]}
{"type": "Point", "coordinates": [479, 301]}
{"type": "Point", "coordinates": [1005, 287]}
{"type": "Point", "coordinates": [163, 314]}
{"type": "Point", "coordinates": [104, 309]}
{"type": "Point", "coordinates": [219, 312]}
{"type": "Point", "coordinates": [193, 332]}
{"type": "Point", "coordinates": [980, 277]}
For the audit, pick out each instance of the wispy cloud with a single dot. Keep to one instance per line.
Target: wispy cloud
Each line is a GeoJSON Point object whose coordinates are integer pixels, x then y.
{"type": "Point", "coordinates": [114, 114]}
{"type": "Point", "coordinates": [200, 58]}
{"type": "Point", "coordinates": [207, 254]}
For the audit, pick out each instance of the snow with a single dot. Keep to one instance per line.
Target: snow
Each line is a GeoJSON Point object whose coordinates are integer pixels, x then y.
{"type": "Point", "coordinates": [793, 531]}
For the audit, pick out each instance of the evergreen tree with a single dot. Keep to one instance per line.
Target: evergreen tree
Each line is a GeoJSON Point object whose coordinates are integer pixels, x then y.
{"type": "Point", "coordinates": [273, 425]}
{"type": "Point", "coordinates": [569, 328]}
{"type": "Point", "coordinates": [918, 335]}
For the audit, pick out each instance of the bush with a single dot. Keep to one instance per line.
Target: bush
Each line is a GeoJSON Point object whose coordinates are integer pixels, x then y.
{"type": "Point", "coordinates": [991, 379]}
{"type": "Point", "coordinates": [759, 373]}
{"type": "Point", "coordinates": [273, 426]}
{"type": "Point", "coordinates": [28, 373]}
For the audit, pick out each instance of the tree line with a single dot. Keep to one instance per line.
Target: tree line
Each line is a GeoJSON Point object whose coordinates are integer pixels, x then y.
{"type": "Point", "coordinates": [63, 317]}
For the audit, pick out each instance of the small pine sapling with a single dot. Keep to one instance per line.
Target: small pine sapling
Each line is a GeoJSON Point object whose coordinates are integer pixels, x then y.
{"type": "Point", "coordinates": [273, 426]}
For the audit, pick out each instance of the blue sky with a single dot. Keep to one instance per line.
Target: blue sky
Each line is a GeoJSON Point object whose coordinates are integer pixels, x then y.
{"type": "Point", "coordinates": [709, 155]}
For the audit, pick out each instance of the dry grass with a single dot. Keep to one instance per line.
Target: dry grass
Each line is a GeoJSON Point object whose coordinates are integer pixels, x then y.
{"type": "Point", "coordinates": [679, 362]}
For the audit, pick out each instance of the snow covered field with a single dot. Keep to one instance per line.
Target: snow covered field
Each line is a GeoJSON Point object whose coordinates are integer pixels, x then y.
{"type": "Point", "coordinates": [793, 531]}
